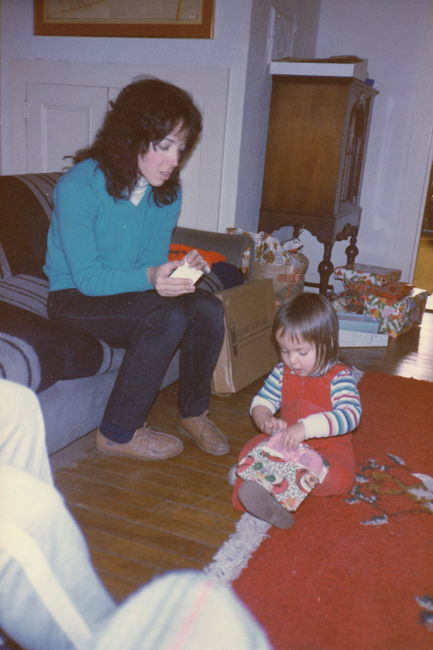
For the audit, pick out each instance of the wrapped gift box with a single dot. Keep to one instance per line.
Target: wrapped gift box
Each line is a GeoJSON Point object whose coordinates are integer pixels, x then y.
{"type": "Point", "coordinates": [393, 292]}
{"type": "Point", "coordinates": [361, 277]}
{"type": "Point", "coordinates": [399, 317]}
{"type": "Point", "coordinates": [348, 302]}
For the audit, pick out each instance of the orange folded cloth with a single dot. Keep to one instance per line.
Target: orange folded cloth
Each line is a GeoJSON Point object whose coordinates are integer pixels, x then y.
{"type": "Point", "coordinates": [178, 252]}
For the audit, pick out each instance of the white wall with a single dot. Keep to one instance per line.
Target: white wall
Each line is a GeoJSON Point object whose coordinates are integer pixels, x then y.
{"type": "Point", "coordinates": [396, 36]}
{"type": "Point", "coordinates": [239, 44]}
{"type": "Point", "coordinates": [228, 49]}
{"type": "Point", "coordinates": [304, 16]}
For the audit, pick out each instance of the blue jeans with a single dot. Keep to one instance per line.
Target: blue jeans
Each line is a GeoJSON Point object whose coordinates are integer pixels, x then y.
{"type": "Point", "coordinates": [150, 328]}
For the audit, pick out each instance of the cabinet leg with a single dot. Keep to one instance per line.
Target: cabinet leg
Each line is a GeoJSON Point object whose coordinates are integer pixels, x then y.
{"type": "Point", "coordinates": [352, 250]}
{"type": "Point", "coordinates": [325, 269]}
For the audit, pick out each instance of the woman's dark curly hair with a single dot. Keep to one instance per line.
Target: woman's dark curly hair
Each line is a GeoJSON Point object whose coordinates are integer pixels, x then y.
{"type": "Point", "coordinates": [145, 112]}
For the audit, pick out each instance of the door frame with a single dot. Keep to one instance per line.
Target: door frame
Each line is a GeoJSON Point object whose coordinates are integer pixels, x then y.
{"type": "Point", "coordinates": [422, 206]}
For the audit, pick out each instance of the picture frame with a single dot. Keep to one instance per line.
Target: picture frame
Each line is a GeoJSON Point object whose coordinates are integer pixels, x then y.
{"type": "Point", "coordinates": [111, 18]}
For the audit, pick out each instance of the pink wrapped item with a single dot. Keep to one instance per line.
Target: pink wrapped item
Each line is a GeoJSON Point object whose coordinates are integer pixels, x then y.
{"type": "Point", "coordinates": [288, 476]}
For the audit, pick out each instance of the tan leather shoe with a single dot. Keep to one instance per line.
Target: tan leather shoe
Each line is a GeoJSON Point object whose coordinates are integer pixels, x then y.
{"type": "Point", "coordinates": [146, 444]}
{"type": "Point", "coordinates": [205, 434]}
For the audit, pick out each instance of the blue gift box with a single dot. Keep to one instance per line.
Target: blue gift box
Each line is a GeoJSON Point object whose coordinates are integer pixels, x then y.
{"type": "Point", "coordinates": [358, 322]}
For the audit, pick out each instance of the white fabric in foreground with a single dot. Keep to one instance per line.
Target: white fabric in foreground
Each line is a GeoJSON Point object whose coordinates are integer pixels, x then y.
{"type": "Point", "coordinates": [19, 545]}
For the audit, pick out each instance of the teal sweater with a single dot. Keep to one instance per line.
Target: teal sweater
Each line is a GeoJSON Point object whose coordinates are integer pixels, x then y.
{"type": "Point", "coordinates": [101, 245]}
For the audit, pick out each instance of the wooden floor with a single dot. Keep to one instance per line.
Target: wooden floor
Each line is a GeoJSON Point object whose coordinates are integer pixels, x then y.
{"type": "Point", "coordinates": [143, 519]}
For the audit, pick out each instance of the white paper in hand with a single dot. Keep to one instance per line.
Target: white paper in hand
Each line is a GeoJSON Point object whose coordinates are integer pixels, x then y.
{"type": "Point", "coordinates": [187, 271]}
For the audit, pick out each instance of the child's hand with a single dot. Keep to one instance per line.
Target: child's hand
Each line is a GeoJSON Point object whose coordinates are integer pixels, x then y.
{"type": "Point", "coordinates": [292, 436]}
{"type": "Point", "coordinates": [271, 426]}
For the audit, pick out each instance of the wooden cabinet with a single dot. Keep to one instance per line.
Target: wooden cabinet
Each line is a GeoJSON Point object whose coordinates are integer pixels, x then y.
{"type": "Point", "coordinates": [317, 138]}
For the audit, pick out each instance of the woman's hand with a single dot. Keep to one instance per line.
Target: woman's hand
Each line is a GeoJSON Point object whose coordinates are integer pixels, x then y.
{"type": "Point", "coordinates": [169, 287]}
{"type": "Point", "coordinates": [165, 285]}
{"type": "Point", "coordinates": [193, 258]}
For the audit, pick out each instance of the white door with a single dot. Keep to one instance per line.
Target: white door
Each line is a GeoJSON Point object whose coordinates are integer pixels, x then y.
{"type": "Point", "coordinates": [66, 102]}
{"type": "Point", "coordinates": [60, 120]}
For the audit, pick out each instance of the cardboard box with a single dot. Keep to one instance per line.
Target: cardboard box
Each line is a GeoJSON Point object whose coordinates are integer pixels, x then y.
{"type": "Point", "coordinates": [248, 351]}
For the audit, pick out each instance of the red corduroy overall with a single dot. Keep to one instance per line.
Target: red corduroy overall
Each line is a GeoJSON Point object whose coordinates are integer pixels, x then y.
{"type": "Point", "coordinates": [303, 396]}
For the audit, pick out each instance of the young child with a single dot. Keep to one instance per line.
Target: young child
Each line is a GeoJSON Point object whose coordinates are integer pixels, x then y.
{"type": "Point", "coordinates": [310, 445]}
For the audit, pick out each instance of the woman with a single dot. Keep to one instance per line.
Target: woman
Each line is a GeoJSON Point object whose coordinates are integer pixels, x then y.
{"type": "Point", "coordinates": [114, 213]}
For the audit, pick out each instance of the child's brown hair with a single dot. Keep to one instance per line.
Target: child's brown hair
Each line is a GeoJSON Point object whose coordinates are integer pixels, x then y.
{"type": "Point", "coordinates": [310, 316]}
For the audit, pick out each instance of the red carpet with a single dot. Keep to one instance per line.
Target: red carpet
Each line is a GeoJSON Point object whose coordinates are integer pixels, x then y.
{"type": "Point", "coordinates": [356, 572]}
